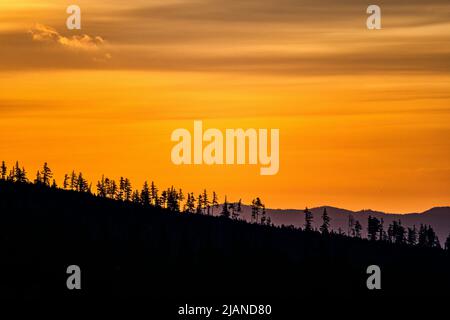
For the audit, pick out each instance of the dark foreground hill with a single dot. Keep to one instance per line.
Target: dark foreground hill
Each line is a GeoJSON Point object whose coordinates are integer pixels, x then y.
{"type": "Point", "coordinates": [125, 250]}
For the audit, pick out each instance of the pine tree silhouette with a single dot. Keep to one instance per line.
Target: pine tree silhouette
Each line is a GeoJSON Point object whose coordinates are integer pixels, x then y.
{"type": "Point", "coordinates": [225, 213]}
{"type": "Point", "coordinates": [308, 219]}
{"type": "Point", "coordinates": [324, 228]}
{"type": "Point", "coordinates": [3, 170]}
{"type": "Point", "coordinates": [358, 229]}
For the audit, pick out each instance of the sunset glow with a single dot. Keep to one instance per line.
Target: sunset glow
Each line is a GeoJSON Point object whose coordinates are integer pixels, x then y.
{"type": "Point", "coordinates": [364, 116]}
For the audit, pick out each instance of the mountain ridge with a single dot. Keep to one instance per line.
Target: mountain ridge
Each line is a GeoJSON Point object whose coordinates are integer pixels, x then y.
{"type": "Point", "coordinates": [437, 217]}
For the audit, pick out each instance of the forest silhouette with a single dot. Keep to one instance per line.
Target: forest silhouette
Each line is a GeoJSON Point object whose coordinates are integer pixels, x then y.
{"type": "Point", "coordinates": [169, 243]}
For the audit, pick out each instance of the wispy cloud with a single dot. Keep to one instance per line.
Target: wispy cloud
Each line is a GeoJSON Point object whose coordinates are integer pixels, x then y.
{"type": "Point", "coordinates": [44, 33]}
{"type": "Point", "coordinates": [279, 37]}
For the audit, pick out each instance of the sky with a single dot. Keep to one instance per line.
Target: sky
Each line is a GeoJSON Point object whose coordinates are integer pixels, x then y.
{"type": "Point", "coordinates": [363, 114]}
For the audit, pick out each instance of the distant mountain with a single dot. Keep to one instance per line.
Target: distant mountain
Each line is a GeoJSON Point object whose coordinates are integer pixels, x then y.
{"type": "Point", "coordinates": [438, 218]}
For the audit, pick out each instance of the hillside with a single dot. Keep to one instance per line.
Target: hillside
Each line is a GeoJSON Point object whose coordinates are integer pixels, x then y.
{"type": "Point", "coordinates": [125, 251]}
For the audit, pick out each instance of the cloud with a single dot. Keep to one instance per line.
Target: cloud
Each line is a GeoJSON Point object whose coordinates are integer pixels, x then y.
{"type": "Point", "coordinates": [280, 37]}
{"type": "Point", "coordinates": [45, 33]}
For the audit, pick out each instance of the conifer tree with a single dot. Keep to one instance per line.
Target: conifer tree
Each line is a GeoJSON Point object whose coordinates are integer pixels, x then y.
{"type": "Point", "coordinates": [73, 181]}
{"type": "Point", "coordinates": [358, 229]}
{"type": "Point", "coordinates": [128, 190]}
{"type": "Point", "coordinates": [373, 228]}
{"type": "Point", "coordinates": [135, 197]}
{"type": "Point", "coordinates": [238, 210]}
{"type": "Point", "coordinates": [46, 174]}
{"type": "Point", "coordinates": [190, 203]}
{"type": "Point", "coordinates": [154, 194]}
{"type": "Point", "coordinates": [199, 204]}
{"type": "Point", "coordinates": [257, 207]}
{"type": "Point", "coordinates": [38, 179]}
{"type": "Point", "coordinates": [101, 186]}
{"type": "Point", "coordinates": [351, 226]}
{"type": "Point", "coordinates": [263, 215]}
{"type": "Point", "coordinates": [180, 198]}
{"type": "Point", "coordinates": [163, 199]}
{"type": "Point", "coordinates": [145, 195]}
{"type": "Point", "coordinates": [324, 228]}
{"type": "Point", "coordinates": [66, 181]}
{"type": "Point", "coordinates": [308, 219]}
{"type": "Point", "coordinates": [120, 193]}
{"type": "Point", "coordinates": [225, 213]}
{"type": "Point", "coordinates": [3, 170]}
{"type": "Point", "coordinates": [82, 184]}
{"type": "Point", "coordinates": [412, 236]}
{"type": "Point", "coordinates": [215, 203]}
{"type": "Point", "coordinates": [205, 202]}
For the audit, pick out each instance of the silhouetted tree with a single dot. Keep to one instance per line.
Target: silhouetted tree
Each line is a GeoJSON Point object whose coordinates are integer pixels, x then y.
{"type": "Point", "coordinates": [433, 240]}
{"type": "Point", "coordinates": [173, 200]}
{"type": "Point", "coordinates": [180, 198]}
{"type": "Point", "coordinates": [46, 174]}
{"type": "Point", "coordinates": [398, 231]}
{"type": "Point", "coordinates": [101, 186]}
{"type": "Point", "coordinates": [38, 179]}
{"type": "Point", "coordinates": [121, 191]}
{"type": "Point", "coordinates": [422, 239]}
{"type": "Point", "coordinates": [66, 181]}
{"type": "Point", "coordinates": [199, 204]}
{"type": "Point", "coordinates": [390, 234]}
{"type": "Point", "coordinates": [135, 197]}
{"type": "Point", "coordinates": [324, 228]}
{"type": "Point", "coordinates": [215, 203]}
{"type": "Point", "coordinates": [163, 199]}
{"type": "Point", "coordinates": [257, 206]}
{"type": "Point", "coordinates": [351, 226]}
{"type": "Point", "coordinates": [427, 237]}
{"type": "Point", "coordinates": [238, 210]}
{"type": "Point", "coordinates": [113, 189]}
{"type": "Point", "coordinates": [308, 219]}
{"type": "Point", "coordinates": [381, 230]}
{"type": "Point", "coordinates": [154, 195]}
{"type": "Point", "coordinates": [412, 236]}
{"type": "Point", "coordinates": [73, 181]}
{"type": "Point", "coordinates": [82, 184]}
{"type": "Point", "coordinates": [373, 228]}
{"type": "Point", "coordinates": [145, 195]}
{"type": "Point", "coordinates": [17, 174]}
{"type": "Point", "coordinates": [447, 243]}
{"type": "Point", "coordinates": [225, 213]}
{"type": "Point", "coordinates": [190, 203]}
{"type": "Point", "coordinates": [358, 229]}
{"type": "Point", "coordinates": [205, 202]}
{"type": "Point", "coordinates": [232, 208]}
{"type": "Point", "coordinates": [128, 190]}
{"type": "Point", "coordinates": [263, 215]}
{"type": "Point", "coordinates": [3, 170]}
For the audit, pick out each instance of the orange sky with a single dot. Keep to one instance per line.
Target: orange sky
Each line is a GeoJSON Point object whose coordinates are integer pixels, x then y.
{"type": "Point", "coordinates": [363, 115]}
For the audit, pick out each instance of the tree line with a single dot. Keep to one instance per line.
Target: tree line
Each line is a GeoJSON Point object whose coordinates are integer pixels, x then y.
{"type": "Point", "coordinates": [424, 236]}
{"type": "Point", "coordinates": [148, 196]}
{"type": "Point", "coordinates": [204, 203]}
